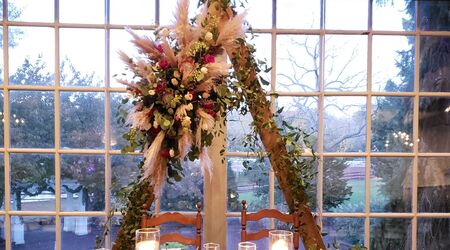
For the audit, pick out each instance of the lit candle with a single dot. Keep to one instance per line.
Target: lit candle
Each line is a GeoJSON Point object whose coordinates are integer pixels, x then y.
{"type": "Point", "coordinates": [280, 245]}
{"type": "Point", "coordinates": [147, 245]}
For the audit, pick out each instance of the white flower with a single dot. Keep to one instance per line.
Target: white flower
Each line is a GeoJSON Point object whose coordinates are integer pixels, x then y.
{"type": "Point", "coordinates": [155, 124]}
{"type": "Point", "coordinates": [208, 36]}
{"type": "Point", "coordinates": [186, 122]}
{"type": "Point", "coordinates": [189, 106]}
{"type": "Point", "coordinates": [188, 96]}
{"type": "Point", "coordinates": [151, 92]}
{"type": "Point", "coordinates": [176, 74]}
{"type": "Point", "coordinates": [164, 32]}
{"type": "Point", "coordinates": [205, 95]}
{"type": "Point", "coordinates": [174, 81]}
{"type": "Point", "coordinates": [171, 152]}
{"type": "Point", "coordinates": [204, 70]}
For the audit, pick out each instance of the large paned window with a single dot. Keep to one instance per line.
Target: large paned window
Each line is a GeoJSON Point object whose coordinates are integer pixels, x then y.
{"type": "Point", "coordinates": [369, 81]}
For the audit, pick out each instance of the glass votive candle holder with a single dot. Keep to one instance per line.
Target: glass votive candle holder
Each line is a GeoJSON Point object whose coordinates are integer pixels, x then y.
{"type": "Point", "coordinates": [281, 240]}
{"type": "Point", "coordinates": [246, 245]}
{"type": "Point", "coordinates": [147, 239]}
{"type": "Point", "coordinates": [211, 246]}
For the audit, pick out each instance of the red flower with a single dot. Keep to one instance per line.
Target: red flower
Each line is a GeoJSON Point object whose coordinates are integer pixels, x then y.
{"type": "Point", "coordinates": [160, 88]}
{"type": "Point", "coordinates": [164, 64]}
{"type": "Point", "coordinates": [210, 59]}
{"type": "Point", "coordinates": [159, 47]}
{"type": "Point", "coordinates": [212, 113]}
{"type": "Point", "coordinates": [164, 153]}
{"type": "Point", "coordinates": [208, 104]}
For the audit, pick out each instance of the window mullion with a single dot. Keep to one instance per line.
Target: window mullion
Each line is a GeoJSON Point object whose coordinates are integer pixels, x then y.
{"type": "Point", "coordinates": [107, 131]}
{"type": "Point", "coordinates": [7, 202]}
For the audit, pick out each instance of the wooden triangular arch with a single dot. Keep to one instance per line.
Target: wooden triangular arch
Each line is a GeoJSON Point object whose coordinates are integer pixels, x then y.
{"type": "Point", "coordinates": [241, 57]}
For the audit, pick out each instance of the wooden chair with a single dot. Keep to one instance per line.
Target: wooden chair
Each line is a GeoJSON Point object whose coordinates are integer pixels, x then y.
{"type": "Point", "coordinates": [293, 218]}
{"type": "Point", "coordinates": [194, 220]}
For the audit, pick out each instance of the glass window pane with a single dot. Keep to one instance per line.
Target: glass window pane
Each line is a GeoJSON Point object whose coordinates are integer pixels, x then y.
{"type": "Point", "coordinates": [345, 15]}
{"type": "Point", "coordinates": [119, 113]}
{"type": "Point", "coordinates": [433, 15]}
{"type": "Point", "coordinates": [263, 45]}
{"type": "Point", "coordinates": [343, 233]}
{"type": "Point", "coordinates": [82, 11]}
{"type": "Point", "coordinates": [433, 233]}
{"type": "Point", "coordinates": [293, 74]}
{"type": "Point", "coordinates": [392, 124]}
{"type": "Point", "coordinates": [32, 119]}
{"type": "Point", "coordinates": [394, 15]}
{"type": "Point", "coordinates": [434, 126]}
{"type": "Point", "coordinates": [1, 10]}
{"type": "Point", "coordinates": [82, 120]}
{"type": "Point", "coordinates": [345, 124]}
{"type": "Point", "coordinates": [80, 232]}
{"type": "Point", "coordinates": [124, 170]}
{"type": "Point", "coordinates": [31, 55]}
{"type": "Point", "coordinates": [300, 112]}
{"type": "Point", "coordinates": [167, 9]}
{"type": "Point", "coordinates": [120, 40]}
{"type": "Point", "coordinates": [247, 179]}
{"type": "Point", "coordinates": [143, 12]}
{"type": "Point", "coordinates": [30, 232]}
{"type": "Point", "coordinates": [259, 12]}
{"type": "Point", "coordinates": [2, 227]}
{"type": "Point", "coordinates": [344, 184]}
{"type": "Point", "coordinates": [82, 61]}
{"type": "Point", "coordinates": [31, 10]}
{"type": "Point", "coordinates": [82, 183]}
{"type": "Point", "coordinates": [32, 182]}
{"type": "Point", "coordinates": [345, 63]}
{"type": "Point", "coordinates": [184, 195]}
{"type": "Point", "coordinates": [434, 185]}
{"type": "Point", "coordinates": [298, 14]}
{"type": "Point", "coordinates": [390, 233]}
{"type": "Point", "coordinates": [1, 55]}
{"type": "Point", "coordinates": [393, 63]}
{"type": "Point", "coordinates": [2, 119]}
{"type": "Point", "coordinates": [434, 67]}
{"type": "Point", "coordinates": [391, 185]}
{"type": "Point", "coordinates": [2, 190]}
{"type": "Point", "coordinates": [238, 132]}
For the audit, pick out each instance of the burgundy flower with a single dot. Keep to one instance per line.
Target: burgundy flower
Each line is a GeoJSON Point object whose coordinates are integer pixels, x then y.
{"type": "Point", "coordinates": [155, 131]}
{"type": "Point", "coordinates": [212, 113]}
{"type": "Point", "coordinates": [160, 88]}
{"type": "Point", "coordinates": [210, 59]}
{"type": "Point", "coordinates": [165, 153]}
{"type": "Point", "coordinates": [164, 64]}
{"type": "Point", "coordinates": [208, 104]}
{"type": "Point", "coordinates": [159, 47]}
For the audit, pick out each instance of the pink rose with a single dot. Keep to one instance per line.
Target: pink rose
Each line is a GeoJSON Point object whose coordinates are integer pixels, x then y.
{"type": "Point", "coordinates": [164, 64]}
{"type": "Point", "coordinates": [210, 59]}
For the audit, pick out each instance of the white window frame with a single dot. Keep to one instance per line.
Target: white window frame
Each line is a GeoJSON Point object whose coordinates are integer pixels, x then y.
{"type": "Point", "coordinates": [215, 202]}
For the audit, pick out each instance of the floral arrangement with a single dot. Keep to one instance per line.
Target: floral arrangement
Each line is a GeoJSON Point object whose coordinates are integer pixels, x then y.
{"type": "Point", "coordinates": [180, 91]}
